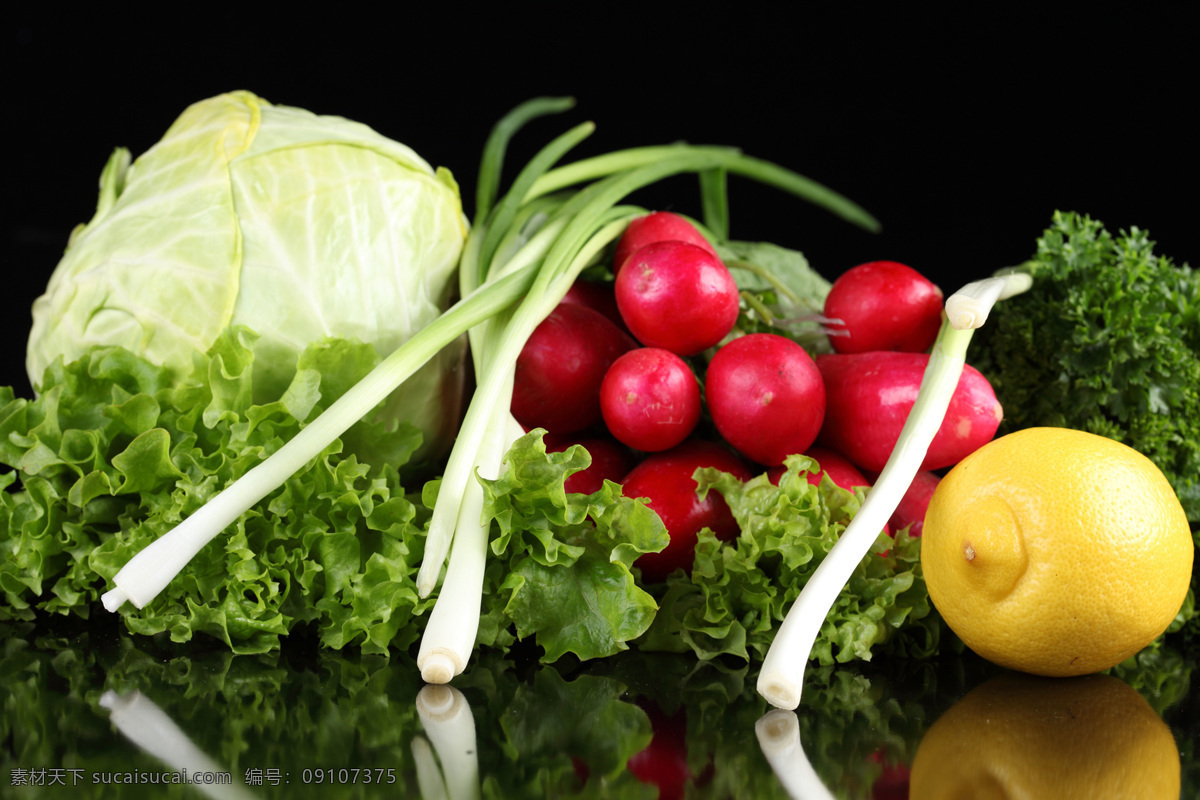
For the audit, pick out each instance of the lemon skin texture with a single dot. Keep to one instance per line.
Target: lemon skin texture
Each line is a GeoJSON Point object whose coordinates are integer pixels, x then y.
{"type": "Point", "coordinates": [1056, 552]}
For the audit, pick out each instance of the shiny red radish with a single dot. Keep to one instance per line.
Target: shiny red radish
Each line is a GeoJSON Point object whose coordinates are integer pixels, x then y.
{"type": "Point", "coordinates": [883, 305]}
{"type": "Point", "coordinates": [868, 397]}
{"type": "Point", "coordinates": [557, 381]}
{"type": "Point", "coordinates": [660, 226]}
{"type": "Point", "coordinates": [766, 397]}
{"type": "Point", "coordinates": [598, 296]}
{"type": "Point", "coordinates": [665, 480]}
{"type": "Point", "coordinates": [838, 468]}
{"type": "Point", "coordinates": [610, 461]}
{"type": "Point", "coordinates": [663, 763]}
{"type": "Point", "coordinates": [650, 399]}
{"type": "Point", "coordinates": [677, 296]}
{"type": "Point", "coordinates": [911, 511]}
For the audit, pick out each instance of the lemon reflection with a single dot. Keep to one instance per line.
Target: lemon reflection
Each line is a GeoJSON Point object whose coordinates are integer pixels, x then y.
{"type": "Point", "coordinates": [1020, 736]}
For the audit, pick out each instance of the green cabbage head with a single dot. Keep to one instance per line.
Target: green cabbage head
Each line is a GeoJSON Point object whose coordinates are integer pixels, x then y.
{"type": "Point", "coordinates": [297, 226]}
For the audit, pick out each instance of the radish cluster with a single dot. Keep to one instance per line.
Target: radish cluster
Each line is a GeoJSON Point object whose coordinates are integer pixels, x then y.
{"type": "Point", "coordinates": [628, 369]}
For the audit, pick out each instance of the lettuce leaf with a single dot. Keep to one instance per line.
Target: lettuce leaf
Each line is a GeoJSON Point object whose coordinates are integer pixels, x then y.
{"type": "Point", "coordinates": [738, 593]}
{"type": "Point", "coordinates": [781, 293]}
{"type": "Point", "coordinates": [568, 581]}
{"type": "Point", "coordinates": [114, 453]}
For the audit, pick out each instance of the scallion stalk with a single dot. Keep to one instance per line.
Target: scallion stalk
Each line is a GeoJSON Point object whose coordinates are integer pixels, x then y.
{"type": "Point", "coordinates": [450, 727]}
{"type": "Point", "coordinates": [449, 637]}
{"type": "Point", "coordinates": [590, 219]}
{"type": "Point", "coordinates": [728, 160]}
{"type": "Point", "coordinates": [782, 672]}
{"type": "Point", "coordinates": [778, 734]}
{"type": "Point", "coordinates": [145, 724]}
{"type": "Point", "coordinates": [148, 572]}
{"type": "Point", "coordinates": [531, 244]}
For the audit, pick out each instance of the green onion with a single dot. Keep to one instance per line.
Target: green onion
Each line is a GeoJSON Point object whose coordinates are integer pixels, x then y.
{"type": "Point", "coordinates": [530, 245]}
{"type": "Point", "coordinates": [592, 221]}
{"type": "Point", "coordinates": [446, 717]}
{"type": "Point", "coordinates": [148, 573]}
{"type": "Point", "coordinates": [782, 672]}
{"type": "Point", "coordinates": [778, 734]}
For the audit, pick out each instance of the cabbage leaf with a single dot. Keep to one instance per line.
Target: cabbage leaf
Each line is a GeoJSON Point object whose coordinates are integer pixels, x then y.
{"type": "Point", "coordinates": [298, 226]}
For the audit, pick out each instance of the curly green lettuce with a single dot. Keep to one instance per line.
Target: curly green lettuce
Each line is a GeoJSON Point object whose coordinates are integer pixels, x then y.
{"type": "Point", "coordinates": [561, 570]}
{"type": "Point", "coordinates": [738, 593]}
{"type": "Point", "coordinates": [114, 453]}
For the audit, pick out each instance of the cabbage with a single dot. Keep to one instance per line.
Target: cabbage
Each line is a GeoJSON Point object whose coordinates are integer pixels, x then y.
{"type": "Point", "coordinates": [298, 226]}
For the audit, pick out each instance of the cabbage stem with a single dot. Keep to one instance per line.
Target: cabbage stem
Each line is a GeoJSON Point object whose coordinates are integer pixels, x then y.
{"type": "Point", "coordinates": [782, 672]}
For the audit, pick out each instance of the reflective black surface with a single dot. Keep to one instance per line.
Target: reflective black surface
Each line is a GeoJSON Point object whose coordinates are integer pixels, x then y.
{"type": "Point", "coordinates": [962, 137]}
{"type": "Point", "coordinates": [90, 707]}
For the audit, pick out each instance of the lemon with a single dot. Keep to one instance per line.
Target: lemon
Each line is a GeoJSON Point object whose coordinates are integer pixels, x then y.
{"type": "Point", "coordinates": [1056, 552]}
{"type": "Point", "coordinates": [1019, 735]}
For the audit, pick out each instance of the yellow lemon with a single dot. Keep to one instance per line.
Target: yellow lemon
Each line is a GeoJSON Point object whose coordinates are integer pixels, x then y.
{"type": "Point", "coordinates": [1090, 737]}
{"type": "Point", "coordinates": [1056, 552]}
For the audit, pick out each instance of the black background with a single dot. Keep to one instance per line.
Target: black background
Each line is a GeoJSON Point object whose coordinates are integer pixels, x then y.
{"type": "Point", "coordinates": [962, 134]}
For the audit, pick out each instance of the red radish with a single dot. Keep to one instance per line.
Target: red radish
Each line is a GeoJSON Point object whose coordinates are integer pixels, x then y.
{"type": "Point", "coordinates": [610, 461]}
{"type": "Point", "coordinates": [597, 296]}
{"type": "Point", "coordinates": [883, 305]}
{"type": "Point", "coordinates": [868, 397]}
{"type": "Point", "coordinates": [766, 397]}
{"type": "Point", "coordinates": [665, 480]}
{"type": "Point", "coordinates": [892, 783]}
{"type": "Point", "coordinates": [661, 226]}
{"type": "Point", "coordinates": [838, 468]}
{"type": "Point", "coordinates": [911, 510]}
{"type": "Point", "coordinates": [664, 763]}
{"type": "Point", "coordinates": [559, 371]}
{"type": "Point", "coordinates": [650, 399]}
{"type": "Point", "coordinates": [581, 769]}
{"type": "Point", "coordinates": [677, 296]}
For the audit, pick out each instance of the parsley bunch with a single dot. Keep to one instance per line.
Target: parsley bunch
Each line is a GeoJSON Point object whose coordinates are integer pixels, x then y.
{"type": "Point", "coordinates": [1107, 341]}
